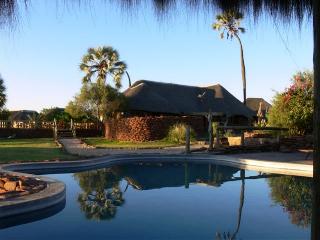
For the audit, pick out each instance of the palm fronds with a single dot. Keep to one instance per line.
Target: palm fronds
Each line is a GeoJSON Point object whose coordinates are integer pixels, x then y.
{"type": "Point", "coordinates": [100, 62]}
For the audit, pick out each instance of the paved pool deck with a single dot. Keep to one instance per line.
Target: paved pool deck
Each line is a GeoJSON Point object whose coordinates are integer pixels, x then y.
{"type": "Point", "coordinates": [77, 147]}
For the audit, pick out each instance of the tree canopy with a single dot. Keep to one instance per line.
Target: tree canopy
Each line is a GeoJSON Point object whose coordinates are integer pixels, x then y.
{"type": "Point", "coordinates": [49, 114]}
{"type": "Point", "coordinates": [97, 102]}
{"type": "Point", "coordinates": [293, 108]}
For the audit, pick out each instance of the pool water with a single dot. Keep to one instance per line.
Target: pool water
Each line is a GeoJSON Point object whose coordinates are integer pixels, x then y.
{"type": "Point", "coordinates": [171, 201]}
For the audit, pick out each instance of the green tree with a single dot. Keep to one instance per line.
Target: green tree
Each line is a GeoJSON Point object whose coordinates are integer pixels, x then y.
{"type": "Point", "coordinates": [229, 23]}
{"type": "Point", "coordinates": [293, 108]}
{"type": "Point", "coordinates": [3, 96]}
{"type": "Point", "coordinates": [49, 114]}
{"type": "Point", "coordinates": [96, 101]}
{"type": "Point", "coordinates": [100, 62]}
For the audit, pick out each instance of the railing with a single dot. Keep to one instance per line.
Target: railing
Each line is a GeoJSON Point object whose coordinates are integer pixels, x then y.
{"type": "Point", "coordinates": [243, 129]}
{"type": "Point", "coordinates": [47, 125]}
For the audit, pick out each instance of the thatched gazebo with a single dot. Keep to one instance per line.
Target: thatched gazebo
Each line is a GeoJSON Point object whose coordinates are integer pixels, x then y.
{"type": "Point", "coordinates": [287, 11]}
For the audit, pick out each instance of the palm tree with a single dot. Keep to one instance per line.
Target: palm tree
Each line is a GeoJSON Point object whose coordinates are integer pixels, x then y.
{"type": "Point", "coordinates": [229, 23]}
{"type": "Point", "coordinates": [99, 63]}
{"type": "Point", "coordinates": [3, 97]}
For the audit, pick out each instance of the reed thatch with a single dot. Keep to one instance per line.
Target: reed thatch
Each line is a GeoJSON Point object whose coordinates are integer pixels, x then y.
{"type": "Point", "coordinates": [168, 98]}
{"type": "Point", "coordinates": [287, 10]}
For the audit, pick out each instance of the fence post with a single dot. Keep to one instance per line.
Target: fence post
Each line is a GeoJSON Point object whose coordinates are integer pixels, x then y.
{"type": "Point", "coordinates": [55, 130]}
{"type": "Point", "coordinates": [73, 129]}
{"type": "Point", "coordinates": [187, 139]}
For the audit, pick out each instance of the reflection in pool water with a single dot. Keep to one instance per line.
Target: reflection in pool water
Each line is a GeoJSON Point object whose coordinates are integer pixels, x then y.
{"type": "Point", "coordinates": [176, 201]}
{"type": "Point", "coordinates": [295, 195]}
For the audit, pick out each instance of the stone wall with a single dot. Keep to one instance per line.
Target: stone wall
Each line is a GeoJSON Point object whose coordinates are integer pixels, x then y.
{"type": "Point", "coordinates": [149, 128]}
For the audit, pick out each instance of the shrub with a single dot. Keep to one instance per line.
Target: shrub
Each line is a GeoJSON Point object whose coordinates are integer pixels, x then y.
{"type": "Point", "coordinates": [294, 107]}
{"type": "Point", "coordinates": [177, 133]}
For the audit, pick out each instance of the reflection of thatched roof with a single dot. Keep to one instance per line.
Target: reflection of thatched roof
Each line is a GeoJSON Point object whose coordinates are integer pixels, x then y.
{"type": "Point", "coordinates": [254, 103]}
{"type": "Point", "coordinates": [158, 97]}
{"type": "Point", "coordinates": [153, 176]}
{"type": "Point", "coordinates": [22, 115]}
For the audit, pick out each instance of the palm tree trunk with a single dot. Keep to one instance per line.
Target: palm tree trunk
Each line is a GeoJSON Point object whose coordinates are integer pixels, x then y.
{"type": "Point", "coordinates": [315, 227]}
{"type": "Point", "coordinates": [243, 71]}
{"type": "Point", "coordinates": [128, 78]}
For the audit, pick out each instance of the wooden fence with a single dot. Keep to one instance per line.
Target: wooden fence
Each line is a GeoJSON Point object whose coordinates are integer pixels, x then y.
{"type": "Point", "coordinates": [47, 125]}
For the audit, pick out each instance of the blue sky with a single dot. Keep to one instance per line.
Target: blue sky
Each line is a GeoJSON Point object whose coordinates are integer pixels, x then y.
{"type": "Point", "coordinates": [39, 61]}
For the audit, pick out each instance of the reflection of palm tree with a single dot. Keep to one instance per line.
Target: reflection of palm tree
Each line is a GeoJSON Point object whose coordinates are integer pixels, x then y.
{"type": "Point", "coordinates": [101, 194]}
{"type": "Point", "coordinates": [227, 235]}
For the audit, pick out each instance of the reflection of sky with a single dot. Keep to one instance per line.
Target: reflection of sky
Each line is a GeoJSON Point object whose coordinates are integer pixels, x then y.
{"type": "Point", "coordinates": [169, 213]}
{"type": "Point", "coordinates": [40, 60]}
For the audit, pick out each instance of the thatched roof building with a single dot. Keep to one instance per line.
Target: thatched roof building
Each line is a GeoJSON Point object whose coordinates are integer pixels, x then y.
{"type": "Point", "coordinates": [174, 99]}
{"type": "Point", "coordinates": [22, 115]}
{"type": "Point", "coordinates": [254, 104]}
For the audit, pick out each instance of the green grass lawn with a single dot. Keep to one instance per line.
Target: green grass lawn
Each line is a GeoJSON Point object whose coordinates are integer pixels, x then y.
{"type": "Point", "coordinates": [103, 143]}
{"type": "Point", "coordinates": [29, 150]}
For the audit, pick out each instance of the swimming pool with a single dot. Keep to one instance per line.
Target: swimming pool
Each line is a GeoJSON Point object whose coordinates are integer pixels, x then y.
{"type": "Point", "coordinates": [171, 201]}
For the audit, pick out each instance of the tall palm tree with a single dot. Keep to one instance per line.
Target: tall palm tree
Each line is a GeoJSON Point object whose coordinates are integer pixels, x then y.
{"type": "Point", "coordinates": [100, 62]}
{"type": "Point", "coordinates": [229, 23]}
{"type": "Point", "coordinates": [3, 97]}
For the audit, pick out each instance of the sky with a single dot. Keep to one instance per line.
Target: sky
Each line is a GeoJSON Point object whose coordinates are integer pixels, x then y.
{"type": "Point", "coordinates": [39, 59]}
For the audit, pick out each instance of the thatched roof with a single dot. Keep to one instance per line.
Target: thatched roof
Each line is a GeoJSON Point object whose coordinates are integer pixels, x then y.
{"type": "Point", "coordinates": [22, 115]}
{"type": "Point", "coordinates": [286, 9]}
{"type": "Point", "coordinates": [254, 104]}
{"type": "Point", "coordinates": [158, 97]}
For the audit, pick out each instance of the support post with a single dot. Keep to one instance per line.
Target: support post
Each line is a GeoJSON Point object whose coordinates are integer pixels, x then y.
{"type": "Point", "coordinates": [315, 226]}
{"type": "Point", "coordinates": [187, 139]}
{"type": "Point", "coordinates": [242, 138]}
{"type": "Point", "coordinates": [278, 137]}
{"type": "Point", "coordinates": [217, 142]}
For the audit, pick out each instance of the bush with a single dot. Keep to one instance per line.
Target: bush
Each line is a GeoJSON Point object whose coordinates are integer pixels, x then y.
{"type": "Point", "coordinates": [294, 107]}
{"type": "Point", "coordinates": [177, 133]}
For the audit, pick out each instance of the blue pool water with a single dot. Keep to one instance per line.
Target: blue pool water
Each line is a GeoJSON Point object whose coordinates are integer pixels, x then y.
{"type": "Point", "coordinates": [171, 201]}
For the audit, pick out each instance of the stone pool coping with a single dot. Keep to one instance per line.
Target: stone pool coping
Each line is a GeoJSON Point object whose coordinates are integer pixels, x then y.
{"type": "Point", "coordinates": [55, 191]}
